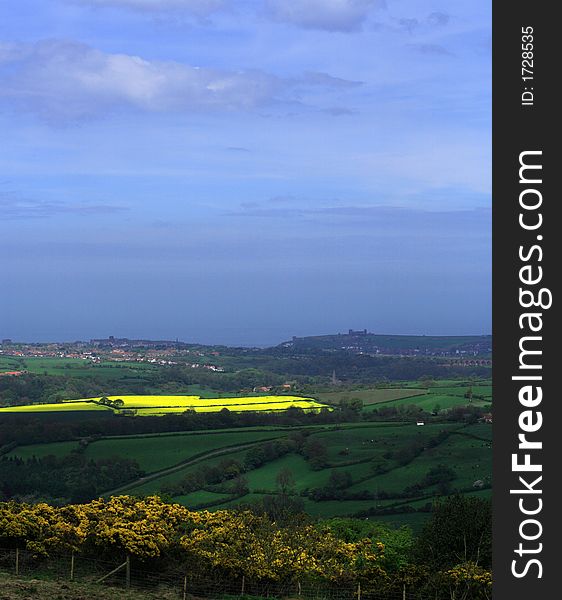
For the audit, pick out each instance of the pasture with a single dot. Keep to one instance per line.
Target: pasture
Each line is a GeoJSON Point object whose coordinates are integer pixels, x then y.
{"type": "Point", "coordinates": [76, 367]}
{"type": "Point", "coordinates": [371, 395]}
{"type": "Point", "coordinates": [153, 452]}
{"type": "Point", "coordinates": [440, 396]}
{"type": "Point", "coordinates": [383, 466]}
{"type": "Point", "coordinates": [371, 457]}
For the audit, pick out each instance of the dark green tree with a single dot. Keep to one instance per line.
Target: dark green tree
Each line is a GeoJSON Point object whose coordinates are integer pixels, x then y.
{"type": "Point", "coordinates": [459, 530]}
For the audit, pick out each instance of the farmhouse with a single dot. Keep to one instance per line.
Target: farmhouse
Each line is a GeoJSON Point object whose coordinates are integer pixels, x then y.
{"type": "Point", "coordinates": [12, 373]}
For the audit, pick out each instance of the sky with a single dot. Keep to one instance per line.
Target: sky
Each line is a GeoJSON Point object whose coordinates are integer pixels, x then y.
{"type": "Point", "coordinates": [239, 172]}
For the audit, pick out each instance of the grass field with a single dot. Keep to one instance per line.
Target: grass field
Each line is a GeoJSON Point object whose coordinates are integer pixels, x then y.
{"type": "Point", "coordinates": [75, 367]}
{"type": "Point", "coordinates": [366, 449]}
{"type": "Point", "coordinates": [370, 396]}
{"type": "Point", "coordinates": [57, 449]}
{"type": "Point", "coordinates": [368, 452]}
{"type": "Point", "coordinates": [443, 395]}
{"type": "Point", "coordinates": [440, 395]}
{"type": "Point", "coordinates": [155, 486]}
{"type": "Point", "coordinates": [153, 453]}
{"type": "Point", "coordinates": [371, 453]}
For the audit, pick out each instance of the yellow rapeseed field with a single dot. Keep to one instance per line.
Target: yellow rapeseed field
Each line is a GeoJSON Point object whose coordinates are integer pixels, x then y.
{"type": "Point", "coordinates": [160, 405]}
{"type": "Point", "coordinates": [59, 407]}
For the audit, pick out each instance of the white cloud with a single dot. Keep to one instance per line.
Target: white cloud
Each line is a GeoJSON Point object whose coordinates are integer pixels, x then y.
{"type": "Point", "coordinates": [62, 80]}
{"type": "Point", "coordinates": [329, 15]}
{"type": "Point", "coordinates": [196, 7]}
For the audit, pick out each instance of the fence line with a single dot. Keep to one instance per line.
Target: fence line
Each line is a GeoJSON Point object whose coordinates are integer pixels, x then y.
{"type": "Point", "coordinates": [131, 573]}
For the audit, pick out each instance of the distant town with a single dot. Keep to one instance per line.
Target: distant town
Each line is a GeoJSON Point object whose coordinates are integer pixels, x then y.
{"type": "Point", "coordinates": [111, 349]}
{"type": "Point", "coordinates": [454, 350]}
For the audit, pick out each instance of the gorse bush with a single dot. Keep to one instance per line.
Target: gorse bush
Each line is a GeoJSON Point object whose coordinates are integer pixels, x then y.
{"type": "Point", "coordinates": [227, 542]}
{"type": "Point", "coordinates": [226, 545]}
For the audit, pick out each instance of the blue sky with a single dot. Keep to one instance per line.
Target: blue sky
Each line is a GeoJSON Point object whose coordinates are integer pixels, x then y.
{"type": "Point", "coordinates": [240, 172]}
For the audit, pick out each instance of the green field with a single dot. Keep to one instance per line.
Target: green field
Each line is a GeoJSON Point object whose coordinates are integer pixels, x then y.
{"type": "Point", "coordinates": [370, 396]}
{"type": "Point", "coordinates": [384, 465]}
{"type": "Point", "coordinates": [76, 367]}
{"type": "Point", "coordinates": [443, 395]}
{"type": "Point", "coordinates": [370, 455]}
{"type": "Point", "coordinates": [156, 453]}
{"type": "Point", "coordinates": [155, 486]}
{"type": "Point", "coordinates": [153, 453]}
{"type": "Point", "coordinates": [466, 450]}
{"type": "Point", "coordinates": [40, 450]}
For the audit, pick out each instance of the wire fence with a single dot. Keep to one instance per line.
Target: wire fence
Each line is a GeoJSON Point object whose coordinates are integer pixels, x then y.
{"type": "Point", "coordinates": [182, 584]}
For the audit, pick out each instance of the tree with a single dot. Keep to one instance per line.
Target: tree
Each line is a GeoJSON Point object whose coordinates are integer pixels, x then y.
{"type": "Point", "coordinates": [316, 452]}
{"type": "Point", "coordinates": [439, 474]}
{"type": "Point", "coordinates": [283, 509]}
{"type": "Point", "coordinates": [339, 480]}
{"type": "Point", "coordinates": [353, 404]}
{"type": "Point", "coordinates": [285, 481]}
{"type": "Point", "coordinates": [460, 530]}
{"type": "Point", "coordinates": [426, 381]}
{"type": "Point", "coordinates": [240, 486]}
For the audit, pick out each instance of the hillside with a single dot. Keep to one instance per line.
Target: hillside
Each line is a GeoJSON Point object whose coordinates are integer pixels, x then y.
{"type": "Point", "coordinates": [422, 345]}
{"type": "Point", "coordinates": [16, 588]}
{"type": "Point", "coordinates": [380, 462]}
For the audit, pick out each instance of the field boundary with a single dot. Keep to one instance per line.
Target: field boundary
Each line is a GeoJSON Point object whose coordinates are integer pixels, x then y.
{"type": "Point", "coordinates": [201, 432]}
{"type": "Point", "coordinates": [186, 463]}
{"type": "Point", "coordinates": [76, 571]}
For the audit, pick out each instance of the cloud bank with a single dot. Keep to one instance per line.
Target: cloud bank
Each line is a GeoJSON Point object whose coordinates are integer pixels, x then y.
{"type": "Point", "coordinates": [65, 80]}
{"type": "Point", "coordinates": [197, 7]}
{"type": "Point", "coordinates": [328, 15]}
{"type": "Point", "coordinates": [14, 206]}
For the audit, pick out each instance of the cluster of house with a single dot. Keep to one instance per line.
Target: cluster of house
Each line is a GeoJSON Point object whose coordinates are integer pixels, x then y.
{"type": "Point", "coordinates": [12, 373]}
{"type": "Point", "coordinates": [268, 388]}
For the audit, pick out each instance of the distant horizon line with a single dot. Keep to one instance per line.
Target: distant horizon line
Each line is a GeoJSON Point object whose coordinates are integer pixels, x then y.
{"type": "Point", "coordinates": [194, 343]}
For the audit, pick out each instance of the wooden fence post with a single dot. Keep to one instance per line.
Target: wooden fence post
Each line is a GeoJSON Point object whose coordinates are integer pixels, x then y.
{"type": "Point", "coordinates": [243, 585]}
{"type": "Point", "coordinates": [128, 572]}
{"type": "Point", "coordinates": [404, 592]}
{"type": "Point", "coordinates": [299, 588]}
{"type": "Point", "coordinates": [359, 591]}
{"type": "Point", "coordinates": [185, 588]}
{"type": "Point", "coordinates": [123, 566]}
{"type": "Point", "coordinates": [72, 566]}
{"type": "Point", "coordinates": [17, 561]}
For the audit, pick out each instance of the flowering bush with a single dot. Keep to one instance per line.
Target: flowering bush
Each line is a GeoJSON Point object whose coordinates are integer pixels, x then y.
{"type": "Point", "coordinates": [221, 544]}
{"type": "Point", "coordinates": [229, 542]}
